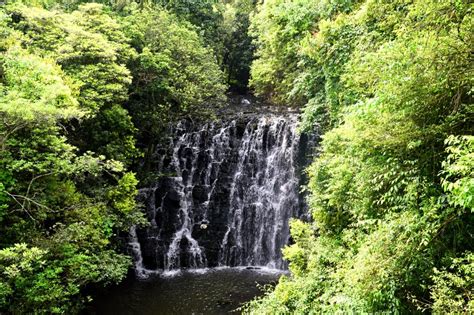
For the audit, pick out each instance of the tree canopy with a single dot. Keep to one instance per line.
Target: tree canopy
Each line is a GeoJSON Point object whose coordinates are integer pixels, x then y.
{"type": "Point", "coordinates": [84, 90]}
{"type": "Point", "coordinates": [390, 84]}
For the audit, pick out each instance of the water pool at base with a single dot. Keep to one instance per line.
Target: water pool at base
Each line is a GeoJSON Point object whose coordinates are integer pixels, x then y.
{"type": "Point", "coordinates": [212, 291]}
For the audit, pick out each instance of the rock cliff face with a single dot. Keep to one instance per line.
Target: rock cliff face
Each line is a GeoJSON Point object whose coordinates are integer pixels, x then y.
{"type": "Point", "coordinates": [225, 194]}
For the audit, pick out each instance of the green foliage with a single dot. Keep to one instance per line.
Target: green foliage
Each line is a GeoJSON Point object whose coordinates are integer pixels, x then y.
{"type": "Point", "coordinates": [458, 171]}
{"type": "Point", "coordinates": [391, 190]}
{"type": "Point", "coordinates": [78, 83]}
{"type": "Point", "coordinates": [278, 26]}
{"type": "Point", "coordinates": [223, 26]}
{"type": "Point", "coordinates": [33, 87]}
{"type": "Point", "coordinates": [174, 74]}
{"type": "Point", "coordinates": [111, 133]}
{"type": "Point", "coordinates": [238, 48]}
{"type": "Point", "coordinates": [173, 68]}
{"type": "Point", "coordinates": [92, 51]}
{"type": "Point", "coordinates": [33, 281]}
{"type": "Point", "coordinates": [206, 16]}
{"type": "Point", "coordinates": [47, 199]}
{"type": "Point", "coordinates": [88, 45]}
{"type": "Point", "coordinates": [453, 288]}
{"type": "Point", "coordinates": [282, 70]}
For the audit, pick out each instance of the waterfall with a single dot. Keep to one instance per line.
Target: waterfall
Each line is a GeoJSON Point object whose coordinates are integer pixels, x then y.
{"type": "Point", "coordinates": [225, 195]}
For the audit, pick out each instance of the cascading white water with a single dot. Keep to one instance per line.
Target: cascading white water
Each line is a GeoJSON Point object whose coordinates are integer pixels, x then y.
{"type": "Point", "coordinates": [229, 192]}
{"type": "Point", "coordinates": [184, 185]}
{"type": "Point", "coordinates": [264, 189]}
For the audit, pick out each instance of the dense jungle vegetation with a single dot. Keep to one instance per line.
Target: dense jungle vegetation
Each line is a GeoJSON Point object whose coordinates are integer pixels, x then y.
{"type": "Point", "coordinates": [392, 191]}
{"type": "Point", "coordinates": [88, 89]}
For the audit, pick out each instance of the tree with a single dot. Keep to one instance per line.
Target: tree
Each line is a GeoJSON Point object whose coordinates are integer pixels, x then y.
{"type": "Point", "coordinates": [391, 186]}
{"type": "Point", "coordinates": [175, 75]}
{"type": "Point", "coordinates": [59, 209]}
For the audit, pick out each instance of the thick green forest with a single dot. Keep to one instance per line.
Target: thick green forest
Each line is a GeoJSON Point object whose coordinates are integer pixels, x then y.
{"type": "Point", "coordinates": [88, 89]}
{"type": "Point", "coordinates": [392, 189]}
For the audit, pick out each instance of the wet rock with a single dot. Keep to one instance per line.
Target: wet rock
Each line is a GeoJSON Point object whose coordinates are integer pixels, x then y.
{"type": "Point", "coordinates": [232, 187]}
{"type": "Point", "coordinates": [199, 193]}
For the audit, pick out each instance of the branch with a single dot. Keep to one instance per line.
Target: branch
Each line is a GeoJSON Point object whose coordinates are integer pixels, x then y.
{"type": "Point", "coordinates": [31, 183]}
{"type": "Point", "coordinates": [7, 134]}
{"type": "Point", "coordinates": [14, 197]}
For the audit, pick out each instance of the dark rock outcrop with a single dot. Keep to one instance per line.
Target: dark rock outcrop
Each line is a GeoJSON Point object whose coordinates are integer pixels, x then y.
{"type": "Point", "coordinates": [226, 195]}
